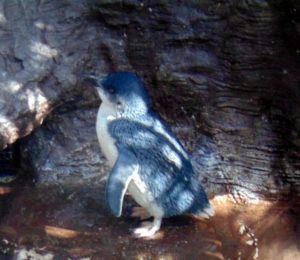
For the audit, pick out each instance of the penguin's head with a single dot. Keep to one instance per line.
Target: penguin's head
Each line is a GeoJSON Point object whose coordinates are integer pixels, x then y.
{"type": "Point", "coordinates": [124, 91]}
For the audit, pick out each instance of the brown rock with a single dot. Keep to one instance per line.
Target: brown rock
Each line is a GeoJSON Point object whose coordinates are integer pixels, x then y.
{"type": "Point", "coordinates": [226, 69]}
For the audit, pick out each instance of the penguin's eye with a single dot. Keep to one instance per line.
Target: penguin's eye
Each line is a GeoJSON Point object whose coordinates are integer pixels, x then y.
{"type": "Point", "coordinates": [111, 91]}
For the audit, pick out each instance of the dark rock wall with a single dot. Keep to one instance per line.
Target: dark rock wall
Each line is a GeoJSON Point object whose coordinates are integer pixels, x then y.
{"type": "Point", "coordinates": [42, 45]}
{"type": "Point", "coordinates": [224, 74]}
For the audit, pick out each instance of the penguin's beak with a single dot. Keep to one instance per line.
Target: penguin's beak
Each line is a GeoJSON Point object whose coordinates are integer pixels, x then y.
{"type": "Point", "coordinates": [92, 80]}
{"type": "Point", "coordinates": [95, 81]}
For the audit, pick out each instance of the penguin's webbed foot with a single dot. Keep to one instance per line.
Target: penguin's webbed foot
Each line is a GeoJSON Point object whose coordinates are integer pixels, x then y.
{"type": "Point", "coordinates": [149, 230]}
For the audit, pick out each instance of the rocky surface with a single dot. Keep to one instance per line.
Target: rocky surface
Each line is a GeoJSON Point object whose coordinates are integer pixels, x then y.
{"type": "Point", "coordinates": [224, 74]}
{"type": "Point", "coordinates": [65, 150]}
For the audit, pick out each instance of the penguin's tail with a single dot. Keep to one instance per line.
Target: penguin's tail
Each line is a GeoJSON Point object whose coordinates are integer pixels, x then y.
{"type": "Point", "coordinates": [206, 212]}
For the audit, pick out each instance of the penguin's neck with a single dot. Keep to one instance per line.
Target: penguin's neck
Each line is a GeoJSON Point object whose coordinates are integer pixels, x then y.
{"type": "Point", "coordinates": [136, 108]}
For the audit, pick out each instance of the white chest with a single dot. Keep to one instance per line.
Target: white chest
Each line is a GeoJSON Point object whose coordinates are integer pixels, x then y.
{"type": "Point", "coordinates": [107, 143]}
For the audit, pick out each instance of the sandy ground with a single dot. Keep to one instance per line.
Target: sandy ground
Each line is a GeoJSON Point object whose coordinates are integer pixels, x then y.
{"type": "Point", "coordinates": [72, 222]}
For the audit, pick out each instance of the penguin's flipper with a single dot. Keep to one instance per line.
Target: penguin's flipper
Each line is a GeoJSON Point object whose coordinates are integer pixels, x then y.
{"type": "Point", "coordinates": [119, 178]}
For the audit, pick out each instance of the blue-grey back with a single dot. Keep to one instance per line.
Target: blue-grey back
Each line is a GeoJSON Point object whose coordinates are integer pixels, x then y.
{"type": "Point", "coordinates": [164, 164]}
{"type": "Point", "coordinates": [152, 142]}
{"type": "Point", "coordinates": [161, 160]}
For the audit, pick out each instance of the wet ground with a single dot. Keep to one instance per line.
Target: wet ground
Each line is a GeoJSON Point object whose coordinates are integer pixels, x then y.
{"type": "Point", "coordinates": [72, 222]}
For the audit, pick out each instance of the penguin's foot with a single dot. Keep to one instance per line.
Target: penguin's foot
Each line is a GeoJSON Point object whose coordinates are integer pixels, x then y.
{"type": "Point", "coordinates": [139, 212]}
{"type": "Point", "coordinates": [149, 230]}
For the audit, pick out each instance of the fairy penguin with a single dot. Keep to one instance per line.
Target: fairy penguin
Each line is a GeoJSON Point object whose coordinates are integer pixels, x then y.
{"type": "Point", "coordinates": [146, 158]}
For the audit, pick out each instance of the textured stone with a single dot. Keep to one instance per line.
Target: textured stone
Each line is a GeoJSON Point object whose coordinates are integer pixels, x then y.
{"type": "Point", "coordinates": [224, 74]}
{"type": "Point", "coordinates": [40, 53]}
{"type": "Point", "coordinates": [65, 149]}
